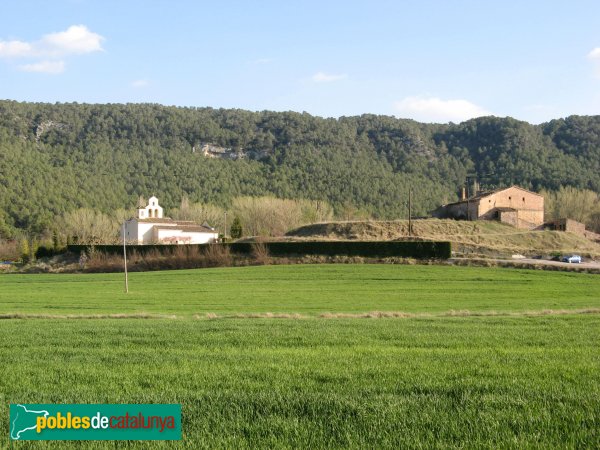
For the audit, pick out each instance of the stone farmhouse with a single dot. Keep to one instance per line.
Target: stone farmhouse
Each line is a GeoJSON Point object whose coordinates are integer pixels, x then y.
{"type": "Point", "coordinates": [150, 227]}
{"type": "Point", "coordinates": [513, 205]}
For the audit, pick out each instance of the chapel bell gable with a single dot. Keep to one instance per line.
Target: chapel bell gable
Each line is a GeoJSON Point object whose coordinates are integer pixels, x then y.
{"type": "Point", "coordinates": [152, 211]}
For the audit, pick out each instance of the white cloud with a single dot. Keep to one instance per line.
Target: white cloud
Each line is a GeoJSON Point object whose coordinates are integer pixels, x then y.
{"type": "Point", "coordinates": [53, 67]}
{"type": "Point", "coordinates": [433, 109]}
{"type": "Point", "coordinates": [51, 48]}
{"type": "Point", "coordinates": [321, 77]}
{"type": "Point", "coordinates": [15, 49]}
{"type": "Point", "coordinates": [142, 83]}
{"type": "Point", "coordinates": [594, 54]}
{"type": "Point", "coordinates": [76, 40]}
{"type": "Point", "coordinates": [262, 61]}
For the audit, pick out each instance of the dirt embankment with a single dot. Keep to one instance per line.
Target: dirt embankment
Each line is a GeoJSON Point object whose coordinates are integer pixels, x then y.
{"type": "Point", "coordinates": [478, 238]}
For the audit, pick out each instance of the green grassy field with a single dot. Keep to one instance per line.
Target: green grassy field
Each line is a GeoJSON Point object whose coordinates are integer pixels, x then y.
{"type": "Point", "coordinates": [306, 289]}
{"type": "Point", "coordinates": [526, 381]}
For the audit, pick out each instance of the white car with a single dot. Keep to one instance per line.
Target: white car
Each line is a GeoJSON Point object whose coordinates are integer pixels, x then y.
{"type": "Point", "coordinates": [572, 259]}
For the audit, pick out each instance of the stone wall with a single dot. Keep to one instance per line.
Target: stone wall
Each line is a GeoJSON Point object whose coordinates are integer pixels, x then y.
{"type": "Point", "coordinates": [569, 225]}
{"type": "Point", "coordinates": [509, 217]}
{"type": "Point", "coordinates": [530, 206]}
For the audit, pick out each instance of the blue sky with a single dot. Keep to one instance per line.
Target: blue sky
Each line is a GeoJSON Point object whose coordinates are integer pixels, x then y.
{"type": "Point", "coordinates": [433, 61]}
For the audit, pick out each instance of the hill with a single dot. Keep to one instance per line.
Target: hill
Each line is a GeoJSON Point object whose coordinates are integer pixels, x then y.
{"type": "Point", "coordinates": [470, 238]}
{"type": "Point", "coordinates": [58, 157]}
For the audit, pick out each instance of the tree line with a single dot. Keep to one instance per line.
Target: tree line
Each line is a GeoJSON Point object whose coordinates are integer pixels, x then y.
{"type": "Point", "coordinates": [57, 159]}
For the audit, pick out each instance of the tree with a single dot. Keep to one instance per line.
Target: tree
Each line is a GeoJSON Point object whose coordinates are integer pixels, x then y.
{"type": "Point", "coordinates": [86, 226]}
{"type": "Point", "coordinates": [5, 231]}
{"type": "Point", "coordinates": [121, 215]}
{"type": "Point", "coordinates": [200, 213]}
{"type": "Point", "coordinates": [270, 216]}
{"type": "Point", "coordinates": [26, 253]}
{"type": "Point", "coordinates": [236, 230]}
{"type": "Point", "coordinates": [572, 203]}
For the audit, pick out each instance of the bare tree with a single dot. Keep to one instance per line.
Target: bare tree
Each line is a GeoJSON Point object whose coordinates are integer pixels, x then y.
{"type": "Point", "coordinates": [260, 216]}
{"type": "Point", "coordinates": [121, 215]}
{"type": "Point", "coordinates": [200, 213]}
{"type": "Point", "coordinates": [86, 226]}
{"type": "Point", "coordinates": [270, 216]}
{"type": "Point", "coordinates": [572, 203]}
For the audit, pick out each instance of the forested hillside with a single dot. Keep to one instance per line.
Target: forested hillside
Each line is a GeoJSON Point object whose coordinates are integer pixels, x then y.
{"type": "Point", "coordinates": [57, 158]}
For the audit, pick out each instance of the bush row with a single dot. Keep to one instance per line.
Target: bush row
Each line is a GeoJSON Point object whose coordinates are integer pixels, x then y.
{"type": "Point", "coordinates": [375, 249]}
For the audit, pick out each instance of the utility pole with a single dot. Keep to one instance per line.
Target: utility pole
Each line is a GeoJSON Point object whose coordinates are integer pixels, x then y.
{"type": "Point", "coordinates": [225, 231]}
{"type": "Point", "coordinates": [410, 212]}
{"type": "Point", "coordinates": [468, 196]}
{"type": "Point", "coordinates": [125, 261]}
{"type": "Point", "coordinates": [468, 213]}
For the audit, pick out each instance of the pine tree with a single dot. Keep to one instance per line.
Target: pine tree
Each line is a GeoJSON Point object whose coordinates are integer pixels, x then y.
{"type": "Point", "coordinates": [25, 250]}
{"type": "Point", "coordinates": [236, 229]}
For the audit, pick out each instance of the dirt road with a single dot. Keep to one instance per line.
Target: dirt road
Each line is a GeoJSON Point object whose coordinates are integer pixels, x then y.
{"type": "Point", "coordinates": [589, 264]}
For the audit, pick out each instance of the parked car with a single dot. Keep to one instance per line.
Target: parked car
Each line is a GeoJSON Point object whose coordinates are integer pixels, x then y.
{"type": "Point", "coordinates": [572, 259]}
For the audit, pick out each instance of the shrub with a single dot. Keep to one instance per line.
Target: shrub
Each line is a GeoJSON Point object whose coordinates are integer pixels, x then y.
{"type": "Point", "coordinates": [48, 252]}
{"type": "Point", "coordinates": [9, 251]}
{"type": "Point", "coordinates": [98, 261]}
{"type": "Point", "coordinates": [375, 249]}
{"type": "Point", "coordinates": [157, 257]}
{"type": "Point", "coordinates": [260, 253]}
{"type": "Point", "coordinates": [218, 255]}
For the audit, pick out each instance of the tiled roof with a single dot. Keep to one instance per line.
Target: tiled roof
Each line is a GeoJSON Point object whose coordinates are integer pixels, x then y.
{"type": "Point", "coordinates": [484, 194]}
{"type": "Point", "coordinates": [157, 220]}
{"type": "Point", "coordinates": [167, 223]}
{"type": "Point", "coordinates": [190, 228]}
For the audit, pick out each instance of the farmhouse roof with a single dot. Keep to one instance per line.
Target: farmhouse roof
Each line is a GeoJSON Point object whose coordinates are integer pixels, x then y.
{"type": "Point", "coordinates": [484, 194]}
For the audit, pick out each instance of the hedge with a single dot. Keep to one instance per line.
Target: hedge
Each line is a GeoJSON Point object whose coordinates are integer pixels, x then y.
{"type": "Point", "coordinates": [48, 252]}
{"type": "Point", "coordinates": [374, 249]}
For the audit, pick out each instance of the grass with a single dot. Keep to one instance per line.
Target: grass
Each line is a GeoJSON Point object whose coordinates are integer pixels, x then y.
{"type": "Point", "coordinates": [424, 379]}
{"type": "Point", "coordinates": [305, 289]}
{"type": "Point", "coordinates": [445, 383]}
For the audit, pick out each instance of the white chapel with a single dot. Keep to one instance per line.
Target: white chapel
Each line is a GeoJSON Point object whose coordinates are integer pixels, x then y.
{"type": "Point", "coordinates": [150, 227]}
